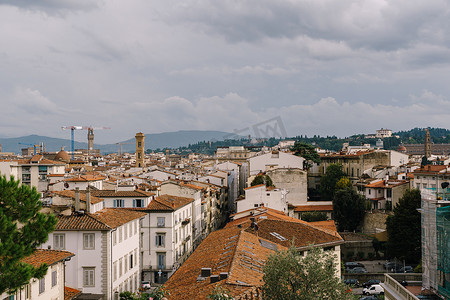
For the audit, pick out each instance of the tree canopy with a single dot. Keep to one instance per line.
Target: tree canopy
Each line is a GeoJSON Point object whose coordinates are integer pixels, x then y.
{"type": "Point", "coordinates": [308, 152]}
{"type": "Point", "coordinates": [349, 208]}
{"type": "Point", "coordinates": [288, 275]}
{"type": "Point", "coordinates": [328, 181]}
{"type": "Point", "coordinates": [262, 179]}
{"type": "Point", "coordinates": [22, 229]}
{"type": "Point", "coordinates": [404, 228]}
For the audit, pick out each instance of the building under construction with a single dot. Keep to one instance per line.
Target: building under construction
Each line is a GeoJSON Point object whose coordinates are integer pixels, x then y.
{"type": "Point", "coordinates": [436, 240]}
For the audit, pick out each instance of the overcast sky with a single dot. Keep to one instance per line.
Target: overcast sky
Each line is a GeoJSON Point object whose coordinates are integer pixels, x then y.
{"type": "Point", "coordinates": [323, 67]}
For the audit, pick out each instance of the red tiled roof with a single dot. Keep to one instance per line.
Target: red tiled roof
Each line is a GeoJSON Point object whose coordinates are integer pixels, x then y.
{"type": "Point", "coordinates": [84, 221]}
{"type": "Point", "coordinates": [85, 178]}
{"type": "Point", "coordinates": [255, 186]}
{"type": "Point", "coordinates": [70, 293]}
{"type": "Point", "coordinates": [47, 256]}
{"type": "Point", "coordinates": [302, 208]}
{"type": "Point", "coordinates": [105, 219]}
{"type": "Point", "coordinates": [430, 169]}
{"type": "Point", "coordinates": [122, 194]}
{"type": "Point", "coordinates": [301, 234]}
{"type": "Point", "coordinates": [229, 250]}
{"type": "Point", "coordinates": [168, 203]}
{"type": "Point", "coordinates": [71, 194]}
{"type": "Point", "coordinates": [115, 217]}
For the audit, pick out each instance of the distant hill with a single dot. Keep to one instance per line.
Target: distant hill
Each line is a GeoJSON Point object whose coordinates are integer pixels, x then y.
{"type": "Point", "coordinates": [152, 141]}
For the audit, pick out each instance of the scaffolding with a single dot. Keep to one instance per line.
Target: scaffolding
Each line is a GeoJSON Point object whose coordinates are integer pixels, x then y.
{"type": "Point", "coordinates": [435, 213]}
{"type": "Point", "coordinates": [443, 249]}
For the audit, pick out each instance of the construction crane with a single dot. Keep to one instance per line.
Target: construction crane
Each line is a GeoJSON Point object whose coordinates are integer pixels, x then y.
{"type": "Point", "coordinates": [34, 146]}
{"type": "Point", "coordinates": [73, 128]}
{"type": "Point", "coordinates": [121, 146]}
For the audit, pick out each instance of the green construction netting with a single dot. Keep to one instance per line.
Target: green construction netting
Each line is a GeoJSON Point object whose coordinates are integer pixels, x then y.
{"type": "Point", "coordinates": [443, 238]}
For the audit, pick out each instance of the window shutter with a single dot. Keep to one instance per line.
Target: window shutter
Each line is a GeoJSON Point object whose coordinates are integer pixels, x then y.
{"type": "Point", "coordinates": [134, 202]}
{"type": "Point", "coordinates": [114, 203]}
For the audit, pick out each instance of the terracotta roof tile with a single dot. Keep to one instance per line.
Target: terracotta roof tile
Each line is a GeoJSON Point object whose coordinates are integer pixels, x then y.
{"type": "Point", "coordinates": [115, 217]}
{"type": "Point", "coordinates": [71, 194]}
{"type": "Point", "coordinates": [302, 208]}
{"type": "Point", "coordinates": [49, 257]}
{"type": "Point", "coordinates": [168, 202]}
{"type": "Point", "coordinates": [229, 250]}
{"type": "Point", "coordinates": [85, 178]}
{"type": "Point", "coordinates": [122, 194]}
{"type": "Point", "coordinates": [255, 186]}
{"type": "Point", "coordinates": [83, 221]}
{"type": "Point", "coordinates": [302, 234]}
{"type": "Point", "coordinates": [70, 293]}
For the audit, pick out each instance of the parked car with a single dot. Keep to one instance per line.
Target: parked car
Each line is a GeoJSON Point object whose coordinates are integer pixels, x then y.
{"type": "Point", "coordinates": [353, 264]}
{"type": "Point", "coordinates": [357, 270]}
{"type": "Point", "coordinates": [145, 284]}
{"type": "Point", "coordinates": [351, 282]}
{"type": "Point", "coordinates": [375, 289]}
{"type": "Point", "coordinates": [368, 298]}
{"type": "Point", "coordinates": [406, 269]}
{"type": "Point", "coordinates": [370, 283]}
{"type": "Point", "coordinates": [392, 266]}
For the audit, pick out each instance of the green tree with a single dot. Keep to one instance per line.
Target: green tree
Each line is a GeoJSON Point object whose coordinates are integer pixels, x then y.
{"type": "Point", "coordinates": [314, 216]}
{"type": "Point", "coordinates": [262, 179]}
{"type": "Point", "coordinates": [308, 152]}
{"type": "Point", "coordinates": [290, 276]}
{"type": "Point", "coordinates": [220, 293]}
{"type": "Point", "coordinates": [349, 209]}
{"type": "Point", "coordinates": [22, 229]}
{"type": "Point", "coordinates": [328, 181]}
{"type": "Point", "coordinates": [404, 228]}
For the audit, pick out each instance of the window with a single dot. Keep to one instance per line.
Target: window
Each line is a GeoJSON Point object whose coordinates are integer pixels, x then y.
{"type": "Point", "coordinates": [135, 257]}
{"type": "Point", "coordinates": [125, 260]}
{"type": "Point", "coordinates": [27, 292]}
{"type": "Point", "coordinates": [59, 241]}
{"type": "Point", "coordinates": [370, 191]}
{"type": "Point", "coordinates": [125, 232]}
{"type": "Point", "coordinates": [115, 270]}
{"type": "Point", "coordinates": [120, 267]}
{"type": "Point", "coordinates": [161, 221]}
{"type": "Point", "coordinates": [131, 261]}
{"type": "Point", "coordinates": [120, 234]}
{"type": "Point", "coordinates": [161, 261]}
{"type": "Point", "coordinates": [54, 278]}
{"type": "Point", "coordinates": [114, 236]}
{"type": "Point", "coordinates": [119, 203]}
{"type": "Point", "coordinates": [88, 241]}
{"type": "Point", "coordinates": [41, 285]}
{"type": "Point", "coordinates": [176, 236]}
{"type": "Point", "coordinates": [159, 241]}
{"type": "Point", "coordinates": [138, 202]}
{"type": "Point", "coordinates": [139, 144]}
{"type": "Point", "coordinates": [135, 227]}
{"type": "Point", "coordinates": [89, 276]}
{"type": "Point", "coordinates": [130, 226]}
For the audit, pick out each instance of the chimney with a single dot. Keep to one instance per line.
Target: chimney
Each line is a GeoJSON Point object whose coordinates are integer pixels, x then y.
{"type": "Point", "coordinates": [206, 272]}
{"type": "Point", "coordinates": [88, 199]}
{"type": "Point", "coordinates": [223, 275]}
{"type": "Point", "coordinates": [77, 199]}
{"type": "Point", "coordinates": [214, 278]}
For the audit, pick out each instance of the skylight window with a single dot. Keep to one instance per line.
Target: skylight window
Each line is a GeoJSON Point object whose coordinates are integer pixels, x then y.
{"type": "Point", "coordinates": [278, 236]}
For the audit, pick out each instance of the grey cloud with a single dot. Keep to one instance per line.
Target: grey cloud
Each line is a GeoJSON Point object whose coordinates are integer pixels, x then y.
{"type": "Point", "coordinates": [362, 24]}
{"type": "Point", "coordinates": [54, 6]}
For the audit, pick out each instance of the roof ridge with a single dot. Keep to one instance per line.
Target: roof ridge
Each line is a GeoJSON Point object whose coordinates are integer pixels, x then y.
{"type": "Point", "coordinates": [233, 255]}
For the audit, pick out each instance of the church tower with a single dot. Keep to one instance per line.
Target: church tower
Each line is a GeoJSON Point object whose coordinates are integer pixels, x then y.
{"type": "Point", "coordinates": [90, 139]}
{"type": "Point", "coordinates": [140, 146]}
{"type": "Point", "coordinates": [427, 143]}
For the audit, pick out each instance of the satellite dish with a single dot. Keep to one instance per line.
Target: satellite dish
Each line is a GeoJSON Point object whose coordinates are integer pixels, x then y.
{"type": "Point", "coordinates": [444, 185]}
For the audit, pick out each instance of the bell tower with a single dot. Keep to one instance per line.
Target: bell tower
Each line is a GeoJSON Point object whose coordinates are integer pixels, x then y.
{"type": "Point", "coordinates": [140, 146]}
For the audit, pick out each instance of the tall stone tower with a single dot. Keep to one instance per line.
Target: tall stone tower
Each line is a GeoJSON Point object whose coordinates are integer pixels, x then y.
{"type": "Point", "coordinates": [90, 139]}
{"type": "Point", "coordinates": [427, 143]}
{"type": "Point", "coordinates": [140, 146]}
